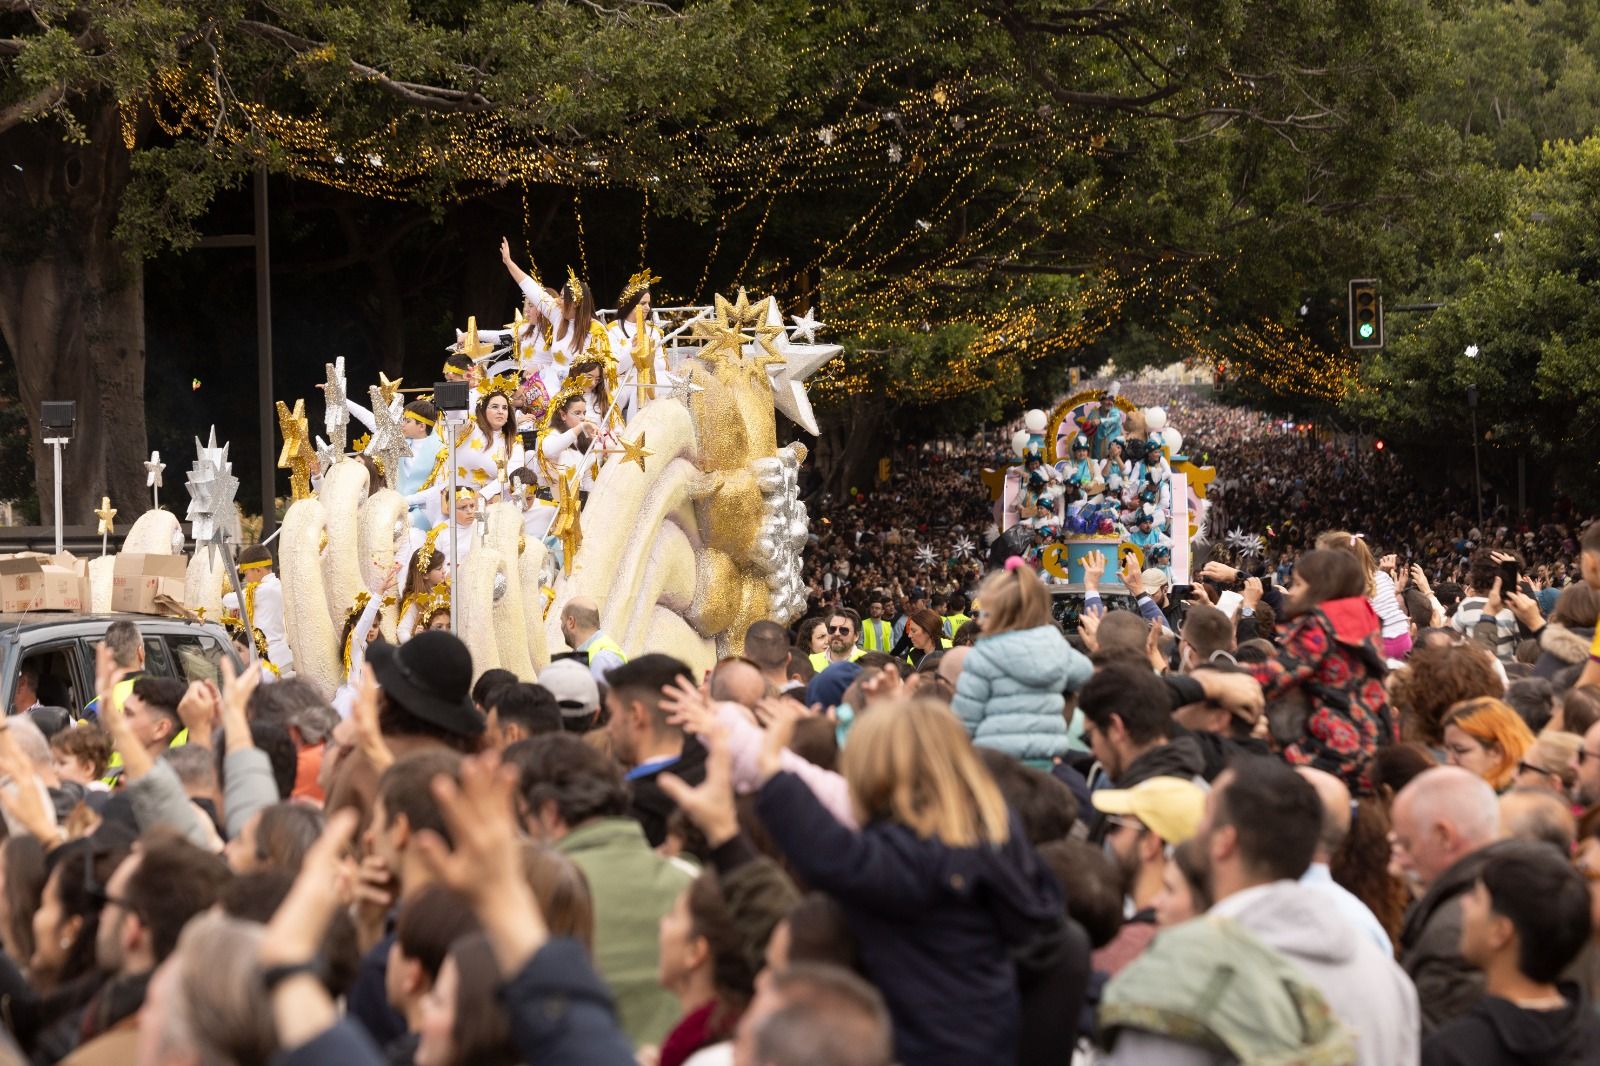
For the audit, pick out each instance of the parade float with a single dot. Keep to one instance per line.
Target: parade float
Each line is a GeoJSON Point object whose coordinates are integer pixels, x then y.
{"type": "Point", "coordinates": [687, 527]}
{"type": "Point", "coordinates": [1099, 475]}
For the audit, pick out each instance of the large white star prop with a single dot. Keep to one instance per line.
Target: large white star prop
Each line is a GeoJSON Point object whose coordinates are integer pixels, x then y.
{"type": "Point", "coordinates": [806, 325]}
{"type": "Point", "coordinates": [800, 361]}
{"type": "Point", "coordinates": [152, 471]}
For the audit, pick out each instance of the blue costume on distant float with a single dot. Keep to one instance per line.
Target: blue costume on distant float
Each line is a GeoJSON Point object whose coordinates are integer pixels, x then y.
{"type": "Point", "coordinates": [1109, 427]}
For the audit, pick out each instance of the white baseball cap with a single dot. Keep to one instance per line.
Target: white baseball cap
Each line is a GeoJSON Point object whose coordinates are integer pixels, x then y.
{"type": "Point", "coordinates": [574, 688]}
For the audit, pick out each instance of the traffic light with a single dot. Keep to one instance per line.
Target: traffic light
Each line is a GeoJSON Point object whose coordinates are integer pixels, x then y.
{"type": "Point", "coordinates": [1366, 314]}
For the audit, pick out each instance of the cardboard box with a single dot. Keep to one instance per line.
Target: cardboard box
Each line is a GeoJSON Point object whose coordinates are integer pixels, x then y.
{"type": "Point", "coordinates": [137, 580]}
{"type": "Point", "coordinates": [36, 583]}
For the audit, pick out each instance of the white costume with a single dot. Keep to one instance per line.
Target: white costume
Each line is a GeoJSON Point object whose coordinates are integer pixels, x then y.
{"type": "Point", "coordinates": [266, 614]}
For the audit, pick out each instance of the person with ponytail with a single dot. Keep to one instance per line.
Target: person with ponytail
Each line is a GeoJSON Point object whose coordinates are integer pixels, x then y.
{"type": "Point", "coordinates": [1010, 695]}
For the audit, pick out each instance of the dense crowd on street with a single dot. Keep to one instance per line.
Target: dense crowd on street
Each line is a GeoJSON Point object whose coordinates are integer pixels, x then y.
{"type": "Point", "coordinates": [1348, 814]}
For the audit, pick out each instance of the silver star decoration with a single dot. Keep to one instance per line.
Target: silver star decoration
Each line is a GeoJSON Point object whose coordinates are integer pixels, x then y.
{"type": "Point", "coordinates": [212, 488]}
{"type": "Point", "coordinates": [336, 415]}
{"type": "Point", "coordinates": [152, 471]}
{"type": "Point", "coordinates": [678, 385]}
{"type": "Point", "coordinates": [963, 548]}
{"type": "Point", "coordinates": [806, 325]}
{"type": "Point", "coordinates": [788, 380]}
{"type": "Point", "coordinates": [327, 455]}
{"type": "Point", "coordinates": [926, 557]}
{"type": "Point", "coordinates": [388, 445]}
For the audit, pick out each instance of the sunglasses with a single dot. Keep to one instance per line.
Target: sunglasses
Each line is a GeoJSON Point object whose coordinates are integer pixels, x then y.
{"type": "Point", "coordinates": [1528, 768]}
{"type": "Point", "coordinates": [838, 629]}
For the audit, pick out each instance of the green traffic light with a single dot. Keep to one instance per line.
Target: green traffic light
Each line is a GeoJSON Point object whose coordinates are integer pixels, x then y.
{"type": "Point", "coordinates": [1365, 329]}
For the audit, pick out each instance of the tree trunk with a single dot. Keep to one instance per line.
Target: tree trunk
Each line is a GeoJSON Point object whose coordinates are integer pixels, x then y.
{"type": "Point", "coordinates": [851, 444]}
{"type": "Point", "coordinates": [72, 310]}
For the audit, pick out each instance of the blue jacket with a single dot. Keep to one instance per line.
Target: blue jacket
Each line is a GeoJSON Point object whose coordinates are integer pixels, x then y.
{"type": "Point", "coordinates": [1009, 694]}
{"type": "Point", "coordinates": [939, 929]}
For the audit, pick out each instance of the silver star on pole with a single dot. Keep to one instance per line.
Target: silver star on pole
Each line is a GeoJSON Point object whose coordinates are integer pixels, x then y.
{"type": "Point", "coordinates": [388, 445]}
{"type": "Point", "coordinates": [806, 325]}
{"type": "Point", "coordinates": [336, 414]}
{"type": "Point", "coordinates": [152, 477]}
{"type": "Point", "coordinates": [212, 488]}
{"type": "Point", "coordinates": [800, 361]}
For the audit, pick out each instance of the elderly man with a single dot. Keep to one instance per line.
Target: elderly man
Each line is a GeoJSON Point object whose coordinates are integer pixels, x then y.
{"type": "Point", "coordinates": [1445, 826]}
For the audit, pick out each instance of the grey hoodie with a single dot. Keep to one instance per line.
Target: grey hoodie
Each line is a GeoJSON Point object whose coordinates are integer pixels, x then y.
{"type": "Point", "coordinates": [1366, 988]}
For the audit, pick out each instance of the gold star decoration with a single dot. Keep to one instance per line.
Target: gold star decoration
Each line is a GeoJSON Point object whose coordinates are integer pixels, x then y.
{"type": "Point", "coordinates": [470, 345]}
{"type": "Point", "coordinates": [388, 388]}
{"type": "Point", "coordinates": [723, 332]}
{"type": "Point", "coordinates": [516, 326]}
{"type": "Point", "coordinates": [567, 524]}
{"type": "Point", "coordinates": [297, 457]}
{"type": "Point", "coordinates": [106, 513]}
{"type": "Point", "coordinates": [633, 451]}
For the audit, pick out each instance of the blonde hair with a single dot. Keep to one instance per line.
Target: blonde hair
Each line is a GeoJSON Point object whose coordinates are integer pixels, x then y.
{"type": "Point", "coordinates": [910, 761]}
{"type": "Point", "coordinates": [1342, 540]}
{"type": "Point", "coordinates": [1013, 599]}
{"type": "Point", "coordinates": [1492, 722]}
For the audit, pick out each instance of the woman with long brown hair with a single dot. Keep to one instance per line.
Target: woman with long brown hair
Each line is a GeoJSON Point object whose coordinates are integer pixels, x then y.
{"type": "Point", "coordinates": [939, 885]}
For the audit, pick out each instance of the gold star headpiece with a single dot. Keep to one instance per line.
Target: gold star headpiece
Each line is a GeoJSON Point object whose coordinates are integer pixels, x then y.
{"type": "Point", "coordinates": [638, 283]}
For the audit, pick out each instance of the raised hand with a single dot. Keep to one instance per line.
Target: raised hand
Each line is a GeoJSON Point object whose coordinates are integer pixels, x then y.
{"type": "Point", "coordinates": [688, 707]}
{"type": "Point", "coordinates": [709, 804]}
{"type": "Point", "coordinates": [780, 732]}
{"type": "Point", "coordinates": [485, 863]}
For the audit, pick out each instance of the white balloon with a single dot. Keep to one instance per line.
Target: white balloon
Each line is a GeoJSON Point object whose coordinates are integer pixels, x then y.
{"type": "Point", "coordinates": [1173, 439]}
{"type": "Point", "coordinates": [1155, 418]}
{"type": "Point", "coordinates": [1019, 441]}
{"type": "Point", "coordinates": [1034, 420]}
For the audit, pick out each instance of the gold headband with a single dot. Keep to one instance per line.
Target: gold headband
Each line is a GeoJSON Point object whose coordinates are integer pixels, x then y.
{"type": "Point", "coordinates": [574, 285]}
{"type": "Point", "coordinates": [430, 423]}
{"type": "Point", "coordinates": [638, 283]}
{"type": "Point", "coordinates": [466, 492]}
{"type": "Point", "coordinates": [254, 566]}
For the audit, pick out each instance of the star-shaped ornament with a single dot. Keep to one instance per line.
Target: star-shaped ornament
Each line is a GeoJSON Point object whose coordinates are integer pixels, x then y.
{"type": "Point", "coordinates": [516, 326]}
{"type": "Point", "coordinates": [799, 362]}
{"type": "Point", "coordinates": [633, 451]}
{"type": "Point", "coordinates": [388, 445]}
{"type": "Point", "coordinates": [389, 388]}
{"type": "Point", "coordinates": [152, 471]}
{"type": "Point", "coordinates": [297, 456]}
{"type": "Point", "coordinates": [336, 411]}
{"type": "Point", "coordinates": [470, 344]}
{"type": "Point", "coordinates": [106, 513]}
{"type": "Point", "coordinates": [567, 524]}
{"type": "Point", "coordinates": [806, 325]}
{"type": "Point", "coordinates": [722, 338]}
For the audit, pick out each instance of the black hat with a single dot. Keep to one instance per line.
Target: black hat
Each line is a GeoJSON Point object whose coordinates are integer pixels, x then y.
{"type": "Point", "coordinates": [430, 677]}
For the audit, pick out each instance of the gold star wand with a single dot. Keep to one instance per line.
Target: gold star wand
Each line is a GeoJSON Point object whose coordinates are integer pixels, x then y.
{"type": "Point", "coordinates": [105, 513]}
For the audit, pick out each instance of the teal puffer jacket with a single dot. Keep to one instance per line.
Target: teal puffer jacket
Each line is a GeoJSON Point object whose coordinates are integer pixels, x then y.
{"type": "Point", "coordinates": [1010, 692]}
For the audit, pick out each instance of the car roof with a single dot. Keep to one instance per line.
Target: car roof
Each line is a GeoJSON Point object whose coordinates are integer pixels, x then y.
{"type": "Point", "coordinates": [36, 620]}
